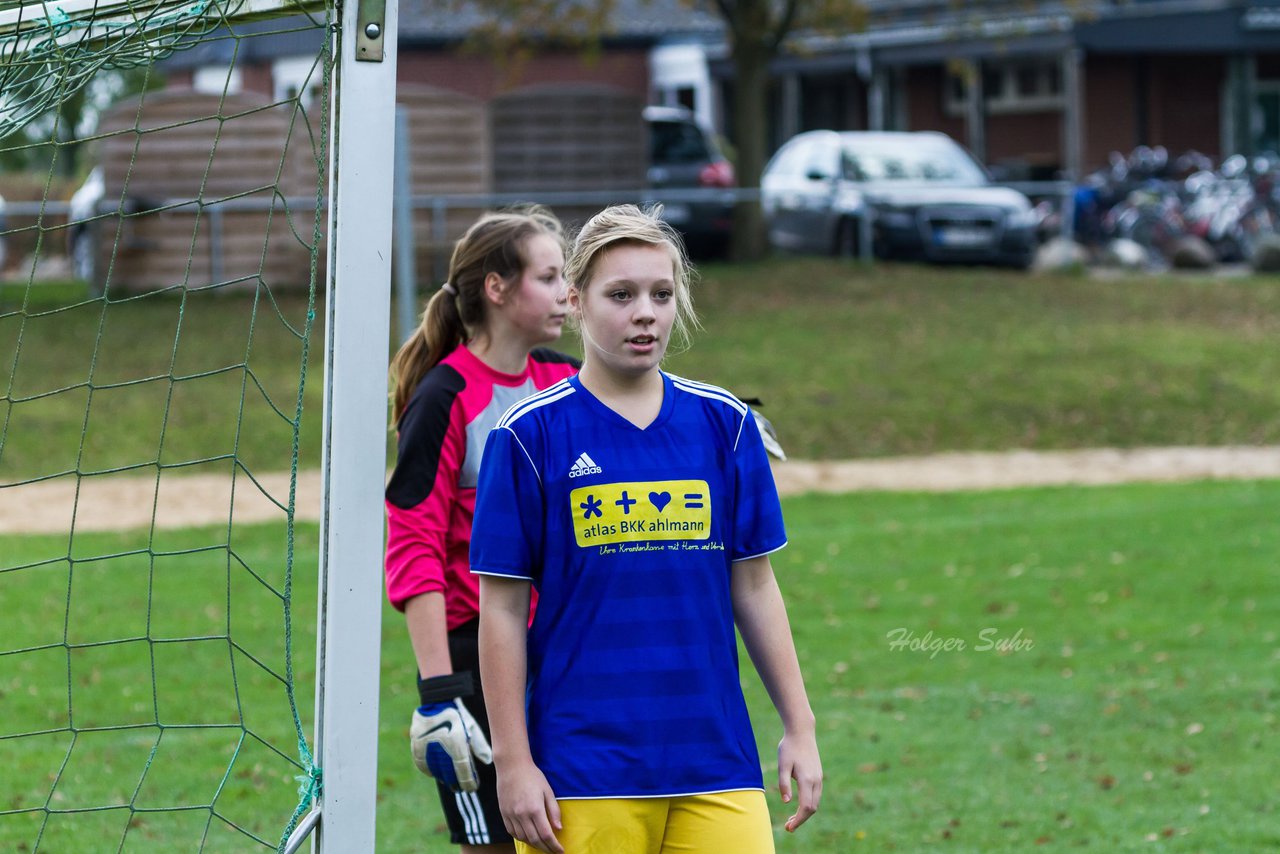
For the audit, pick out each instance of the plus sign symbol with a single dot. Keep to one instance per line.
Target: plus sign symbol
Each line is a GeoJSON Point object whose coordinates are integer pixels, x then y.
{"type": "Point", "coordinates": [625, 503]}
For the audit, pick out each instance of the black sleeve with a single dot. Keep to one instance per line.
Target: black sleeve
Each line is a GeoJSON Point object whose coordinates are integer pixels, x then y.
{"type": "Point", "coordinates": [545, 355]}
{"type": "Point", "coordinates": [422, 430]}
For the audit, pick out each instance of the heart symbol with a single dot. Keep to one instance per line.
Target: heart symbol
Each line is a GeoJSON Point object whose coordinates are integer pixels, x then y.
{"type": "Point", "coordinates": [660, 499]}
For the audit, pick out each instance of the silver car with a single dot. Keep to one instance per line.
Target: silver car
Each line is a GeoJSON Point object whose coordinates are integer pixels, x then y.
{"type": "Point", "coordinates": [928, 199]}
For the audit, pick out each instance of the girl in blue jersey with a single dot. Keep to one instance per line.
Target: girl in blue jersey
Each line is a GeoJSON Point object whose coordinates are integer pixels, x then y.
{"type": "Point", "coordinates": [641, 508]}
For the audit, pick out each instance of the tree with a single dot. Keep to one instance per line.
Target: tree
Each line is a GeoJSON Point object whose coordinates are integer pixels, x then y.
{"type": "Point", "coordinates": [756, 32]}
{"type": "Point", "coordinates": [54, 137]}
{"type": "Point", "coordinates": [755, 29]}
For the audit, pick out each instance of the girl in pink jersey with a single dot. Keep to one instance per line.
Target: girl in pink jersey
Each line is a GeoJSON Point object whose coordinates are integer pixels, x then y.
{"type": "Point", "coordinates": [475, 354]}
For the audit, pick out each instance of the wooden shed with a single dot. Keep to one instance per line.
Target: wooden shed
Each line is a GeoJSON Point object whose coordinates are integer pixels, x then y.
{"type": "Point", "coordinates": [568, 137]}
{"type": "Point", "coordinates": [198, 181]}
{"type": "Point", "coordinates": [198, 185]}
{"type": "Point", "coordinates": [529, 142]}
{"type": "Point", "coordinates": [450, 153]}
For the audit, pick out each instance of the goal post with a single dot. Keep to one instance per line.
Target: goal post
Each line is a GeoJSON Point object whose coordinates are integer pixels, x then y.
{"type": "Point", "coordinates": [104, 18]}
{"type": "Point", "coordinates": [281, 224]}
{"type": "Point", "coordinates": [358, 334]}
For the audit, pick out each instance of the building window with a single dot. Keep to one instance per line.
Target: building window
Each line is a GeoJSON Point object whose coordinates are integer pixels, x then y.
{"type": "Point", "coordinates": [1009, 86]}
{"type": "Point", "coordinates": [294, 76]}
{"type": "Point", "coordinates": [216, 79]}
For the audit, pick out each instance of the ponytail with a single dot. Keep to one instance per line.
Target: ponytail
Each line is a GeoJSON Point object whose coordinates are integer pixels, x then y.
{"type": "Point", "coordinates": [459, 311]}
{"type": "Point", "coordinates": [438, 335]}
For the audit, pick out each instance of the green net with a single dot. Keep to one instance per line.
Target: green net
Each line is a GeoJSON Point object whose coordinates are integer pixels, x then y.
{"type": "Point", "coordinates": [164, 170]}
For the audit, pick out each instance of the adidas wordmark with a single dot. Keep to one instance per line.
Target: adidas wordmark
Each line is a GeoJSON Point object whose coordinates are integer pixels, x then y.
{"type": "Point", "coordinates": [583, 466]}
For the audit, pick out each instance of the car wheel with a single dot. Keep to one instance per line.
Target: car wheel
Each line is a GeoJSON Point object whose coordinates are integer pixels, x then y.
{"type": "Point", "coordinates": [846, 245]}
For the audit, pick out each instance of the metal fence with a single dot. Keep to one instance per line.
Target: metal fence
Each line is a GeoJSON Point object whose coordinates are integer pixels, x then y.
{"type": "Point", "coordinates": [27, 221]}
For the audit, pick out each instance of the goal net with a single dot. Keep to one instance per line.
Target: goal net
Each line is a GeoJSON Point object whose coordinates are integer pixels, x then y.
{"type": "Point", "coordinates": [163, 169]}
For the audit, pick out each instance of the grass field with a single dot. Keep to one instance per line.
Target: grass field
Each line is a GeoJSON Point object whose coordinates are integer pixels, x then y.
{"type": "Point", "coordinates": [153, 379]}
{"type": "Point", "coordinates": [1128, 700]}
{"type": "Point", "coordinates": [850, 363]}
{"type": "Point", "coordinates": [1065, 668]}
{"type": "Point", "coordinates": [154, 678]}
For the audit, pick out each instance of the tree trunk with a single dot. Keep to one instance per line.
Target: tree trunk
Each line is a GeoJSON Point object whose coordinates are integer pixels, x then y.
{"type": "Point", "coordinates": [750, 126]}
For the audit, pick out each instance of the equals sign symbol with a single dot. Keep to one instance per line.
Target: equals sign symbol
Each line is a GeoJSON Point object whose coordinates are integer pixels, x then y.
{"type": "Point", "coordinates": [693, 501]}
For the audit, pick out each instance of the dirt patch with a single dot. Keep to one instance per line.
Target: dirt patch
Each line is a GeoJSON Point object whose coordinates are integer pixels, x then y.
{"type": "Point", "coordinates": [174, 501]}
{"type": "Point", "coordinates": [171, 501]}
{"type": "Point", "coordinates": [1011, 469]}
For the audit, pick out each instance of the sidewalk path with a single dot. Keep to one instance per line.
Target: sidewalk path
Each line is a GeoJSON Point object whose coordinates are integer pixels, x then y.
{"type": "Point", "coordinates": [124, 503]}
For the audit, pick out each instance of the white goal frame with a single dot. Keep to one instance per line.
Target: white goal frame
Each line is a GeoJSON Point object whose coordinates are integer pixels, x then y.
{"type": "Point", "coordinates": [357, 342]}
{"type": "Point", "coordinates": [34, 16]}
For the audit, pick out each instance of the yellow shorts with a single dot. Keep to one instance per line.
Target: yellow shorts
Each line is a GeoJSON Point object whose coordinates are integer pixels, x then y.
{"type": "Point", "coordinates": [736, 822]}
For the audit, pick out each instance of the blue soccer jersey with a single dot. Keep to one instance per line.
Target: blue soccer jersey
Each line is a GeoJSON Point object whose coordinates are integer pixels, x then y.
{"type": "Point", "coordinates": [629, 536]}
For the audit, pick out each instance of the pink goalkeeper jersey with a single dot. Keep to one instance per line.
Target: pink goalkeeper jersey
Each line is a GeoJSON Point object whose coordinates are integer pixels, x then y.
{"type": "Point", "coordinates": [431, 496]}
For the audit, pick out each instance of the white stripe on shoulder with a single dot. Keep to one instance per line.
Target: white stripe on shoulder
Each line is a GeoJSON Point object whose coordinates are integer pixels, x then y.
{"type": "Point", "coordinates": [738, 437]}
{"type": "Point", "coordinates": [713, 392]}
{"type": "Point", "coordinates": [515, 436]}
{"type": "Point", "coordinates": [548, 395]}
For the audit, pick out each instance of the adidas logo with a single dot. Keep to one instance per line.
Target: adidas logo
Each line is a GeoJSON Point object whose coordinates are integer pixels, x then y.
{"type": "Point", "coordinates": [584, 466]}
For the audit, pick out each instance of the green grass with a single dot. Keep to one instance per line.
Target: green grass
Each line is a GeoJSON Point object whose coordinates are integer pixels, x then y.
{"type": "Point", "coordinates": [148, 380]}
{"type": "Point", "coordinates": [1146, 705]}
{"type": "Point", "coordinates": [910, 359]}
{"type": "Point", "coordinates": [850, 362]}
{"type": "Point", "coordinates": [153, 667]}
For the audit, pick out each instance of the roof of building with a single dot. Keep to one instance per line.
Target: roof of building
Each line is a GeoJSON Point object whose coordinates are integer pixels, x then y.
{"type": "Point", "coordinates": [630, 20]}
{"type": "Point", "coordinates": [898, 30]}
{"type": "Point", "coordinates": [441, 22]}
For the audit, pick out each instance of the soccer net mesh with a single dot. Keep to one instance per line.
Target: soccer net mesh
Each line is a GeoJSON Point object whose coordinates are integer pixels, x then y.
{"type": "Point", "coordinates": [163, 168]}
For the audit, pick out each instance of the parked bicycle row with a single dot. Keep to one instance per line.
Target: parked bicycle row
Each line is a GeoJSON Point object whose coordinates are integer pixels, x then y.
{"type": "Point", "coordinates": [1148, 208]}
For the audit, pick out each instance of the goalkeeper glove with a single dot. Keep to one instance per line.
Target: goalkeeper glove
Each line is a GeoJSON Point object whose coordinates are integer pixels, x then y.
{"type": "Point", "coordinates": [444, 736]}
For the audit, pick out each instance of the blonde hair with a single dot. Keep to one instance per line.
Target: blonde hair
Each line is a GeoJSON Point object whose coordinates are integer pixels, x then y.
{"type": "Point", "coordinates": [457, 312]}
{"type": "Point", "coordinates": [631, 225]}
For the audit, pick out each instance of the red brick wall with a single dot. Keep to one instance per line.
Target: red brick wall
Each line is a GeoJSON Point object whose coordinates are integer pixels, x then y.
{"type": "Point", "coordinates": [1184, 103]}
{"type": "Point", "coordinates": [257, 78]}
{"type": "Point", "coordinates": [1031, 138]}
{"type": "Point", "coordinates": [1109, 106]}
{"type": "Point", "coordinates": [924, 102]}
{"type": "Point", "coordinates": [480, 77]}
{"type": "Point", "coordinates": [1183, 110]}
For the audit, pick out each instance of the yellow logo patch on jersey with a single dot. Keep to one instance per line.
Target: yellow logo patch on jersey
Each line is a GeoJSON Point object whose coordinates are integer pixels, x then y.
{"type": "Point", "coordinates": [645, 510]}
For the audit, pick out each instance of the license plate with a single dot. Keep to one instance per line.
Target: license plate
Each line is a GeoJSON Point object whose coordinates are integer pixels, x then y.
{"type": "Point", "coordinates": [676, 214]}
{"type": "Point", "coordinates": [963, 236]}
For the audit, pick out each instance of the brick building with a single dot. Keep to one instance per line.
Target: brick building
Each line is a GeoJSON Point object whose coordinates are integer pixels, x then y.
{"type": "Point", "coordinates": [1044, 88]}
{"type": "Point", "coordinates": [1039, 88]}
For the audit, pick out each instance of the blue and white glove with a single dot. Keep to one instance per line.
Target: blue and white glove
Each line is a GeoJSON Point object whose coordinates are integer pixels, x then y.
{"type": "Point", "coordinates": [444, 737]}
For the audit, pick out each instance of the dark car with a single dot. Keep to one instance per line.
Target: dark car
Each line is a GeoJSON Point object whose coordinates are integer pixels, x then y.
{"type": "Point", "coordinates": [683, 155]}
{"type": "Point", "coordinates": [928, 198]}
